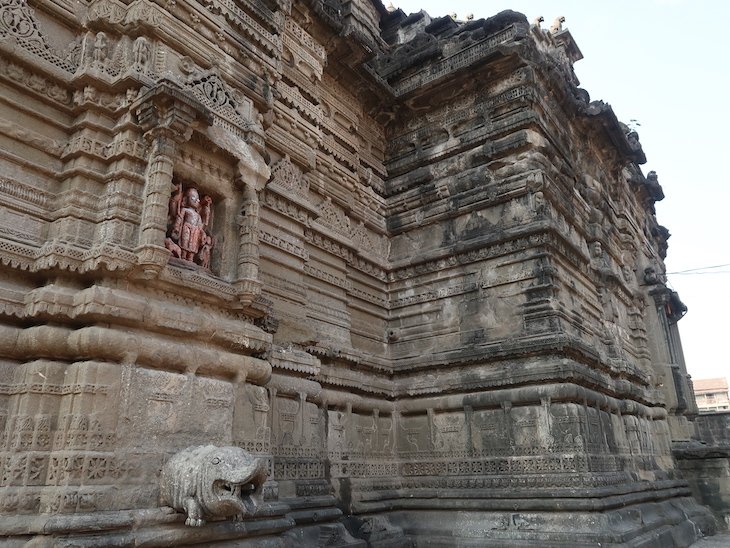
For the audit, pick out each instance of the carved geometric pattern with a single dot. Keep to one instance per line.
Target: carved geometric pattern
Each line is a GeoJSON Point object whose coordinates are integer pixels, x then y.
{"type": "Point", "coordinates": [289, 176]}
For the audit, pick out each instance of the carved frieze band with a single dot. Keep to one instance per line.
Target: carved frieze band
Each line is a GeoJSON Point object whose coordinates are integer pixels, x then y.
{"type": "Point", "coordinates": [454, 62]}
{"type": "Point", "coordinates": [316, 238]}
{"type": "Point", "coordinates": [485, 252]}
{"type": "Point", "coordinates": [25, 193]}
{"type": "Point", "coordinates": [303, 38]}
{"type": "Point", "coordinates": [284, 243]}
{"type": "Point", "coordinates": [34, 81]}
{"type": "Point", "coordinates": [269, 41]}
{"type": "Point", "coordinates": [327, 277]}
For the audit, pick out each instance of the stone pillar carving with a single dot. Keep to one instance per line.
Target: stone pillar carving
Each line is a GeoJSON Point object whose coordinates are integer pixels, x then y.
{"type": "Point", "coordinates": [253, 173]}
{"type": "Point", "coordinates": [300, 438]}
{"type": "Point", "coordinates": [158, 185]}
{"type": "Point", "coordinates": [670, 310]}
{"type": "Point", "coordinates": [507, 409]}
{"type": "Point", "coordinates": [247, 272]}
{"type": "Point", "coordinates": [545, 427]}
{"type": "Point", "coordinates": [431, 429]}
{"type": "Point", "coordinates": [468, 422]}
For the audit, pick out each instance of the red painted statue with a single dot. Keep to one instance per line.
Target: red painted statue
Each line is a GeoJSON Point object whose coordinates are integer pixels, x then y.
{"type": "Point", "coordinates": [189, 223]}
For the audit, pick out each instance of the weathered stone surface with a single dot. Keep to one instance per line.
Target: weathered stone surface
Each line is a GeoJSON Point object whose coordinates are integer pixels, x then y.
{"type": "Point", "coordinates": [208, 481]}
{"type": "Point", "coordinates": [705, 462]}
{"type": "Point", "coordinates": [424, 282]}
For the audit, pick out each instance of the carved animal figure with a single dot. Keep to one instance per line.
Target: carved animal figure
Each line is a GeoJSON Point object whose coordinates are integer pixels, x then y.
{"type": "Point", "coordinates": [557, 25]}
{"type": "Point", "coordinates": [212, 482]}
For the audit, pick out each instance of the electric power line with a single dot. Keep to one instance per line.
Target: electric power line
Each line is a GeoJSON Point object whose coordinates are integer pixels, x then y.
{"type": "Point", "coordinates": [698, 273]}
{"type": "Point", "coordinates": [694, 270]}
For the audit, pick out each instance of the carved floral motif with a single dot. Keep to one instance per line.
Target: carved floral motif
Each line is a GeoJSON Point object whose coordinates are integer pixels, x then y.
{"type": "Point", "coordinates": [18, 22]}
{"type": "Point", "coordinates": [16, 19]}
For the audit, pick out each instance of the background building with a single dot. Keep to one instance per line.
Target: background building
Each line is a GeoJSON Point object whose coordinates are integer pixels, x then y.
{"type": "Point", "coordinates": [711, 394]}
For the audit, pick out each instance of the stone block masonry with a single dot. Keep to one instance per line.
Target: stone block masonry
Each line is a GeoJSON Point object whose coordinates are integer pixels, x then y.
{"type": "Point", "coordinates": [403, 262]}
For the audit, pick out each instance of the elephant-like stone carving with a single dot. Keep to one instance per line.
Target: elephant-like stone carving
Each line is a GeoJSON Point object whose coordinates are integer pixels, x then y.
{"type": "Point", "coordinates": [212, 482]}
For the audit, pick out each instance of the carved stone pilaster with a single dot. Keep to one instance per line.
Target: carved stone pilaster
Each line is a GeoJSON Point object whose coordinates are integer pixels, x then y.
{"type": "Point", "coordinates": [152, 255]}
{"type": "Point", "coordinates": [247, 272]}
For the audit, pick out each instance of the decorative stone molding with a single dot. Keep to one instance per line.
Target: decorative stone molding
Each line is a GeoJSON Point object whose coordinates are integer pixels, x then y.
{"type": "Point", "coordinates": [139, 14]}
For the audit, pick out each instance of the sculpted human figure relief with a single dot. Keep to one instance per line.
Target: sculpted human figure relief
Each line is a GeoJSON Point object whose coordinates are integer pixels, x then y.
{"type": "Point", "coordinates": [189, 226]}
{"type": "Point", "coordinates": [141, 51]}
{"type": "Point", "coordinates": [100, 48]}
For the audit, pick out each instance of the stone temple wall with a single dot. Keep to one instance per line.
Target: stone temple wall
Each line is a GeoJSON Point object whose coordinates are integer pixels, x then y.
{"type": "Point", "coordinates": [705, 463]}
{"type": "Point", "coordinates": [405, 261]}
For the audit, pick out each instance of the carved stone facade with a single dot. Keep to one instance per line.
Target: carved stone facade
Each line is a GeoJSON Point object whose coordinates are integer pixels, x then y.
{"type": "Point", "coordinates": [705, 463]}
{"type": "Point", "coordinates": [404, 261]}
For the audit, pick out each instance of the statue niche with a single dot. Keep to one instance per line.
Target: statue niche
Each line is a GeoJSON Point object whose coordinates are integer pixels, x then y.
{"type": "Point", "coordinates": [189, 225]}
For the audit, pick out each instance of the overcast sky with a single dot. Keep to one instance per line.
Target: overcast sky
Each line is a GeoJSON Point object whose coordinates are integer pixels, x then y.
{"type": "Point", "coordinates": [666, 64]}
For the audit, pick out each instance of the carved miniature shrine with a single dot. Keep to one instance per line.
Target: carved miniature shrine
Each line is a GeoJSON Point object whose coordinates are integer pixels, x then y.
{"type": "Point", "coordinates": [317, 273]}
